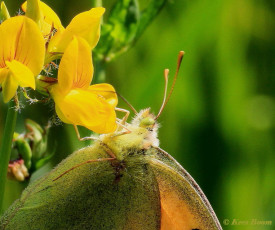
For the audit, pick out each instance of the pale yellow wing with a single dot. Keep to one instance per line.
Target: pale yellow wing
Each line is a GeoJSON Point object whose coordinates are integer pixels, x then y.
{"type": "Point", "coordinates": [183, 204]}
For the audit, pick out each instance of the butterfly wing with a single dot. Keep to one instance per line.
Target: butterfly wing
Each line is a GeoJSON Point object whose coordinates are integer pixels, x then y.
{"type": "Point", "coordinates": [183, 204]}
{"type": "Point", "coordinates": [98, 195]}
{"type": "Point", "coordinates": [152, 192]}
{"type": "Point", "coordinates": [48, 203]}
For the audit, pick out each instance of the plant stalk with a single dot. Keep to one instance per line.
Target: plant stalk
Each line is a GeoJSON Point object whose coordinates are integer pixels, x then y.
{"type": "Point", "coordinates": [5, 148]}
{"type": "Point", "coordinates": [97, 3]}
{"type": "Point", "coordinates": [100, 72]}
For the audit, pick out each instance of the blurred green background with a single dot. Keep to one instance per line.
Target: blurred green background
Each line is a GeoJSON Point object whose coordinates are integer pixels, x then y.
{"type": "Point", "coordinates": [220, 121]}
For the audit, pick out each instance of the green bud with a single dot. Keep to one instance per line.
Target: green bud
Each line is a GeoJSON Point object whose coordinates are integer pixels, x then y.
{"type": "Point", "coordinates": [24, 150]}
{"type": "Point", "coordinates": [38, 137]}
{"type": "Point", "coordinates": [31, 146]}
{"type": "Point", "coordinates": [43, 83]}
{"type": "Point", "coordinates": [34, 11]}
{"type": "Point", "coordinates": [4, 13]}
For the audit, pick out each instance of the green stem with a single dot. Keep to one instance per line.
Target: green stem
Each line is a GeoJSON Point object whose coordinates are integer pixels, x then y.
{"type": "Point", "coordinates": [97, 3]}
{"type": "Point", "coordinates": [5, 148]}
{"type": "Point", "coordinates": [100, 72]}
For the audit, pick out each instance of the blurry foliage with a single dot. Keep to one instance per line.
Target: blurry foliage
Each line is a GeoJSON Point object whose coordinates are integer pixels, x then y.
{"type": "Point", "coordinates": [220, 120]}
{"type": "Point", "coordinates": [124, 25]}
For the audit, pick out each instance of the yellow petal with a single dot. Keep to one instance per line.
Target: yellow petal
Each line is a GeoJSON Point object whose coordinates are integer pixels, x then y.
{"type": "Point", "coordinates": [107, 91]}
{"type": "Point", "coordinates": [85, 25]}
{"type": "Point", "coordinates": [81, 107]}
{"type": "Point", "coordinates": [108, 126]}
{"type": "Point", "coordinates": [22, 74]}
{"type": "Point", "coordinates": [61, 115]}
{"type": "Point", "coordinates": [50, 17]}
{"type": "Point", "coordinates": [3, 74]}
{"type": "Point", "coordinates": [9, 87]}
{"type": "Point", "coordinates": [76, 69]}
{"type": "Point", "coordinates": [51, 52]}
{"type": "Point", "coordinates": [22, 40]}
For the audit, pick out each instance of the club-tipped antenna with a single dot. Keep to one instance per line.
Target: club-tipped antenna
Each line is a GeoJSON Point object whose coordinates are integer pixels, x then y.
{"type": "Point", "coordinates": [166, 71]}
{"type": "Point", "coordinates": [128, 103]}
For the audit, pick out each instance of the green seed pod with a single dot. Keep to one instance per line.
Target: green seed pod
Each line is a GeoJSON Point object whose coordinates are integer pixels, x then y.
{"type": "Point", "coordinates": [120, 182]}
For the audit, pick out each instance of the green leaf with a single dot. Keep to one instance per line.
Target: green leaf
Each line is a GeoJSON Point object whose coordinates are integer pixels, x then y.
{"type": "Point", "coordinates": [44, 160]}
{"type": "Point", "coordinates": [120, 28]}
{"type": "Point", "coordinates": [148, 15]}
{"type": "Point", "coordinates": [124, 26]}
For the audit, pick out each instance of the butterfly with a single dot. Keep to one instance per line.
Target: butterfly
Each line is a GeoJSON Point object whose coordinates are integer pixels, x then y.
{"type": "Point", "coordinates": [124, 180]}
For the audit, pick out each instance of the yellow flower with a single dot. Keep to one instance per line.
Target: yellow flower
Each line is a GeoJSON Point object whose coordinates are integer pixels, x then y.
{"type": "Point", "coordinates": [22, 50]}
{"type": "Point", "coordinates": [85, 25]}
{"type": "Point", "coordinates": [43, 15]}
{"type": "Point", "coordinates": [77, 102]}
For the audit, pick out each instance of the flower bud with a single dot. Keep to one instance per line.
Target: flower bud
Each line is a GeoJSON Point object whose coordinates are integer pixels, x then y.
{"type": "Point", "coordinates": [17, 170]}
{"type": "Point", "coordinates": [4, 13]}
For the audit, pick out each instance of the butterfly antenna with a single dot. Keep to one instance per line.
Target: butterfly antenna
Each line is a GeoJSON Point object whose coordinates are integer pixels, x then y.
{"type": "Point", "coordinates": [166, 71]}
{"type": "Point", "coordinates": [128, 103]}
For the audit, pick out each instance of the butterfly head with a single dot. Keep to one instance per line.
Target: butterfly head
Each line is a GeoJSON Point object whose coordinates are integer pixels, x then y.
{"type": "Point", "coordinates": [145, 126]}
{"type": "Point", "coordinates": [146, 119]}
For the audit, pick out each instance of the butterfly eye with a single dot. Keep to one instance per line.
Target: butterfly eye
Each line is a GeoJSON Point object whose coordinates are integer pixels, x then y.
{"type": "Point", "coordinates": [147, 122]}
